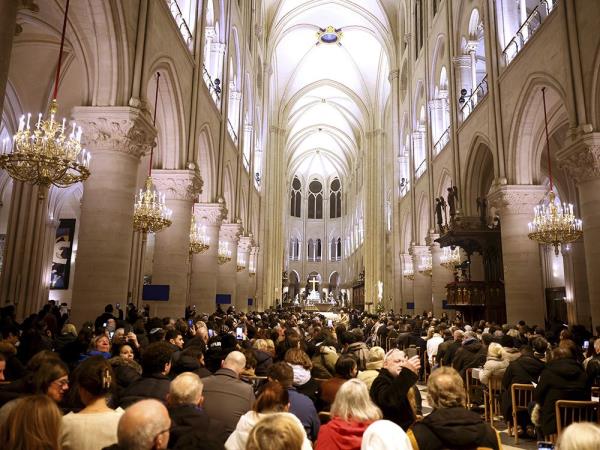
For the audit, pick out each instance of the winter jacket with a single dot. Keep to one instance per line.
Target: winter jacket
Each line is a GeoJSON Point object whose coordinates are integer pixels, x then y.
{"type": "Point", "coordinates": [153, 386]}
{"type": "Point", "coordinates": [304, 409]}
{"type": "Point", "coordinates": [263, 362]}
{"type": "Point", "coordinates": [493, 367]}
{"type": "Point", "coordinates": [324, 362]}
{"type": "Point", "coordinates": [453, 428]}
{"type": "Point", "coordinates": [187, 418]}
{"type": "Point", "coordinates": [510, 354]}
{"type": "Point", "coordinates": [329, 389]}
{"type": "Point", "coordinates": [338, 434]}
{"type": "Point", "coordinates": [391, 395]}
{"type": "Point", "coordinates": [524, 370]}
{"type": "Point", "coordinates": [470, 355]}
{"type": "Point", "coordinates": [304, 382]}
{"type": "Point", "coordinates": [237, 440]}
{"type": "Point", "coordinates": [360, 351]}
{"type": "Point", "coordinates": [562, 379]}
{"type": "Point", "coordinates": [227, 398]}
{"type": "Point", "coordinates": [447, 353]}
{"type": "Point", "coordinates": [371, 373]}
{"type": "Point", "coordinates": [187, 363]}
{"type": "Point", "coordinates": [592, 370]}
{"type": "Point", "coordinates": [126, 372]}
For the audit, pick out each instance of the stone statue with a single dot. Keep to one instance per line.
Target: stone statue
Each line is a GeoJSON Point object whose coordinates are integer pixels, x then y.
{"type": "Point", "coordinates": [482, 209]}
{"type": "Point", "coordinates": [451, 203]}
{"type": "Point", "coordinates": [438, 214]}
{"type": "Point", "coordinates": [445, 209]}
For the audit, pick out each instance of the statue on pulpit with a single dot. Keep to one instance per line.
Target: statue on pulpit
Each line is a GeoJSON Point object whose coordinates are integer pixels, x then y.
{"type": "Point", "coordinates": [452, 200]}
{"type": "Point", "coordinates": [482, 209]}
{"type": "Point", "coordinates": [438, 214]}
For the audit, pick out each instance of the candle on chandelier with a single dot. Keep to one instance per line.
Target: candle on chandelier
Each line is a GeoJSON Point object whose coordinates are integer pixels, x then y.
{"type": "Point", "coordinates": [22, 122]}
{"type": "Point", "coordinates": [39, 122]}
{"type": "Point", "coordinates": [28, 118]}
{"type": "Point", "coordinates": [62, 131]}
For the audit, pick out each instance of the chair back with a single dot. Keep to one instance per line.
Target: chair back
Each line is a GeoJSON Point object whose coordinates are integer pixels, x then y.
{"type": "Point", "coordinates": [521, 396]}
{"type": "Point", "coordinates": [570, 411]}
{"type": "Point", "coordinates": [472, 385]}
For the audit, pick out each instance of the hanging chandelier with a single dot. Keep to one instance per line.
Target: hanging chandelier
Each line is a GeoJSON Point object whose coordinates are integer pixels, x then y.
{"type": "Point", "coordinates": [199, 241]}
{"type": "Point", "coordinates": [409, 271]}
{"type": "Point", "coordinates": [252, 267]}
{"type": "Point", "coordinates": [553, 224]}
{"type": "Point", "coordinates": [426, 265]}
{"type": "Point", "coordinates": [224, 255]}
{"type": "Point", "coordinates": [47, 153]}
{"type": "Point", "coordinates": [450, 258]}
{"type": "Point", "coordinates": [150, 214]}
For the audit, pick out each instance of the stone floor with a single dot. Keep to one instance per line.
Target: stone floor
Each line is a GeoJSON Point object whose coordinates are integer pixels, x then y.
{"type": "Point", "coordinates": [508, 442]}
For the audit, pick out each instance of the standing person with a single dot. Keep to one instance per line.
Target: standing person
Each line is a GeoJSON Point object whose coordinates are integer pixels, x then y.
{"type": "Point", "coordinates": [351, 413]}
{"type": "Point", "coordinates": [95, 426]}
{"type": "Point", "coordinates": [391, 389]}
{"type": "Point", "coordinates": [345, 369]}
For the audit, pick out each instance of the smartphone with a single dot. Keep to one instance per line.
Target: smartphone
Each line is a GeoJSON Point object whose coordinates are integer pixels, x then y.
{"type": "Point", "coordinates": [586, 345]}
{"type": "Point", "coordinates": [111, 334]}
{"type": "Point", "coordinates": [330, 323]}
{"type": "Point", "coordinates": [190, 323]}
{"type": "Point", "coordinates": [545, 446]}
{"type": "Point", "coordinates": [211, 333]}
{"type": "Point", "coordinates": [239, 333]}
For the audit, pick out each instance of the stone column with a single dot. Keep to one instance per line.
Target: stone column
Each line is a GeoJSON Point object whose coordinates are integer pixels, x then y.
{"type": "Point", "coordinates": [244, 247]}
{"type": "Point", "coordinates": [581, 159]}
{"type": "Point", "coordinates": [203, 285]}
{"type": "Point", "coordinates": [422, 282]}
{"type": "Point", "coordinates": [8, 25]}
{"type": "Point", "coordinates": [227, 275]}
{"type": "Point", "coordinates": [520, 255]}
{"type": "Point", "coordinates": [116, 137]}
{"type": "Point", "coordinates": [407, 284]}
{"type": "Point", "coordinates": [440, 276]}
{"type": "Point", "coordinates": [26, 235]}
{"type": "Point", "coordinates": [172, 245]}
{"type": "Point", "coordinates": [576, 284]}
{"type": "Point", "coordinates": [252, 266]}
{"type": "Point", "coordinates": [463, 67]}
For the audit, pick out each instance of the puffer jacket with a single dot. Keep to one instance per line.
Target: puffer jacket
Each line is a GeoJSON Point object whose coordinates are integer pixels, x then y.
{"type": "Point", "coordinates": [493, 367]}
{"type": "Point", "coordinates": [360, 351]}
{"type": "Point", "coordinates": [472, 354]}
{"type": "Point", "coordinates": [371, 373]}
{"type": "Point", "coordinates": [324, 362]}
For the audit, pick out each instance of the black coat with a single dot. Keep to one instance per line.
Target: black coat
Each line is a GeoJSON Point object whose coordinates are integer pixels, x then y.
{"type": "Point", "coordinates": [154, 386]}
{"type": "Point", "coordinates": [391, 395]}
{"type": "Point", "coordinates": [469, 356]}
{"type": "Point", "coordinates": [188, 418]}
{"type": "Point", "coordinates": [453, 428]}
{"type": "Point", "coordinates": [523, 370]}
{"type": "Point", "coordinates": [264, 361]}
{"type": "Point", "coordinates": [562, 379]}
{"type": "Point", "coordinates": [449, 353]}
{"type": "Point", "coordinates": [593, 370]}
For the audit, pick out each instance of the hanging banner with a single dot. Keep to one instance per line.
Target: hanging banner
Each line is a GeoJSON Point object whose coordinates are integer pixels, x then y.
{"type": "Point", "coordinates": [61, 255]}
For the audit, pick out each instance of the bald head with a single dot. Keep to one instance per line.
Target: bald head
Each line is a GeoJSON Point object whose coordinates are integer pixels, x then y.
{"type": "Point", "coordinates": [235, 361]}
{"type": "Point", "coordinates": [185, 389]}
{"type": "Point", "coordinates": [144, 426]}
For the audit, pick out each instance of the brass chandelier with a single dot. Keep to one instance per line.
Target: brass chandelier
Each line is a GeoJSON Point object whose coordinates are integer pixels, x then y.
{"type": "Point", "coordinates": [199, 241]}
{"type": "Point", "coordinates": [150, 214]}
{"type": "Point", "coordinates": [409, 271]}
{"type": "Point", "coordinates": [47, 153]}
{"type": "Point", "coordinates": [224, 255]}
{"type": "Point", "coordinates": [450, 258]}
{"type": "Point", "coordinates": [426, 265]}
{"type": "Point", "coordinates": [553, 224]}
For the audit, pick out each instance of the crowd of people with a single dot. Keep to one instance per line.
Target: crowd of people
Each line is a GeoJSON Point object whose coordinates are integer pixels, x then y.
{"type": "Point", "coordinates": [279, 379]}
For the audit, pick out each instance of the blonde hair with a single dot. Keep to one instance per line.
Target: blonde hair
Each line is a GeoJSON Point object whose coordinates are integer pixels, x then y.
{"type": "Point", "coordinates": [352, 402]}
{"type": "Point", "coordinates": [298, 357]}
{"type": "Point", "coordinates": [69, 328]}
{"type": "Point", "coordinates": [495, 350]}
{"type": "Point", "coordinates": [579, 436]}
{"type": "Point", "coordinates": [445, 389]}
{"type": "Point", "coordinates": [278, 431]}
{"type": "Point", "coordinates": [33, 424]}
{"type": "Point", "coordinates": [261, 344]}
{"type": "Point", "coordinates": [376, 354]}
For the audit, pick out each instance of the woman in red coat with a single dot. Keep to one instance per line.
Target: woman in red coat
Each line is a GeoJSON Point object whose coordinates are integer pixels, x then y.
{"type": "Point", "coordinates": [351, 413]}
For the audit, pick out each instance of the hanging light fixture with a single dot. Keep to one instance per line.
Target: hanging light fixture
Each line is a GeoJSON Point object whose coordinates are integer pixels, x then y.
{"type": "Point", "coordinates": [199, 241]}
{"type": "Point", "coordinates": [241, 262]}
{"type": "Point", "coordinates": [553, 223]}
{"type": "Point", "coordinates": [450, 258]}
{"type": "Point", "coordinates": [409, 271]}
{"type": "Point", "coordinates": [252, 266]}
{"type": "Point", "coordinates": [224, 255]}
{"type": "Point", "coordinates": [426, 265]}
{"type": "Point", "coordinates": [48, 152]}
{"type": "Point", "coordinates": [151, 214]}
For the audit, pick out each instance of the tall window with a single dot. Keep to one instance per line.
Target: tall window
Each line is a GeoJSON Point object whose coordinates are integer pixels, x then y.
{"type": "Point", "coordinates": [335, 199]}
{"type": "Point", "coordinates": [315, 200]}
{"type": "Point", "coordinates": [314, 250]}
{"type": "Point", "coordinates": [295, 198]}
{"type": "Point", "coordinates": [335, 250]}
{"type": "Point", "coordinates": [294, 249]}
{"type": "Point", "coordinates": [419, 26]}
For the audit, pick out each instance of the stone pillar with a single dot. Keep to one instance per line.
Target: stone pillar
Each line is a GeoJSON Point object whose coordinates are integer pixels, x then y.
{"type": "Point", "coordinates": [407, 284]}
{"type": "Point", "coordinates": [576, 285]}
{"type": "Point", "coordinates": [581, 159]}
{"type": "Point", "coordinates": [440, 276]}
{"type": "Point", "coordinates": [252, 266]}
{"type": "Point", "coordinates": [244, 247]}
{"type": "Point", "coordinates": [8, 25]}
{"type": "Point", "coordinates": [172, 245]}
{"type": "Point", "coordinates": [520, 255]}
{"type": "Point", "coordinates": [463, 67]}
{"type": "Point", "coordinates": [24, 262]}
{"type": "Point", "coordinates": [116, 137]}
{"type": "Point", "coordinates": [227, 278]}
{"type": "Point", "coordinates": [203, 285]}
{"type": "Point", "coordinates": [422, 282]}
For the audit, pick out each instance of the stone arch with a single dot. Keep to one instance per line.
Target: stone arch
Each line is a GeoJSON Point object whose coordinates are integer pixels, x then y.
{"type": "Point", "coordinates": [479, 175]}
{"type": "Point", "coordinates": [206, 162]}
{"type": "Point", "coordinates": [595, 102]}
{"type": "Point", "coordinates": [527, 126]}
{"type": "Point", "coordinates": [170, 118]}
{"type": "Point", "coordinates": [229, 192]}
{"type": "Point", "coordinates": [422, 220]}
{"type": "Point", "coordinates": [444, 183]}
{"type": "Point", "coordinates": [405, 231]}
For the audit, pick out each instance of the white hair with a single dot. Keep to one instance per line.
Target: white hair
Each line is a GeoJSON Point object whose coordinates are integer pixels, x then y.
{"type": "Point", "coordinates": [186, 388]}
{"type": "Point", "coordinates": [579, 436]}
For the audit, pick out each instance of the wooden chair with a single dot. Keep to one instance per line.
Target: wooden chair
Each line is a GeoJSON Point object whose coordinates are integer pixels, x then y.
{"type": "Point", "coordinates": [595, 391]}
{"type": "Point", "coordinates": [521, 396]}
{"type": "Point", "coordinates": [570, 411]}
{"type": "Point", "coordinates": [491, 398]}
{"type": "Point", "coordinates": [324, 417]}
{"type": "Point", "coordinates": [390, 343]}
{"type": "Point", "coordinates": [256, 381]}
{"type": "Point", "coordinates": [472, 386]}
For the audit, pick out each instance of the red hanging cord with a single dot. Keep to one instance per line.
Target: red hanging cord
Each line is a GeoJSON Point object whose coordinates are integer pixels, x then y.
{"type": "Point", "coordinates": [154, 121]}
{"type": "Point", "coordinates": [547, 140]}
{"type": "Point", "coordinates": [60, 54]}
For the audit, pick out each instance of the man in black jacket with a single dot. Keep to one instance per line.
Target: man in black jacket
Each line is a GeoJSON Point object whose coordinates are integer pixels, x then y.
{"type": "Point", "coordinates": [471, 354]}
{"type": "Point", "coordinates": [451, 425]}
{"type": "Point", "coordinates": [154, 382]}
{"type": "Point", "coordinates": [390, 390]}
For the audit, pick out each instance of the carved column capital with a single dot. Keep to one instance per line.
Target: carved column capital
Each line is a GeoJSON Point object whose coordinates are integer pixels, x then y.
{"type": "Point", "coordinates": [516, 199]}
{"type": "Point", "coordinates": [178, 184]}
{"type": "Point", "coordinates": [463, 61]}
{"type": "Point", "coordinates": [245, 244]}
{"type": "Point", "coordinates": [230, 232]}
{"type": "Point", "coordinates": [211, 214]}
{"type": "Point", "coordinates": [116, 128]}
{"type": "Point", "coordinates": [581, 158]}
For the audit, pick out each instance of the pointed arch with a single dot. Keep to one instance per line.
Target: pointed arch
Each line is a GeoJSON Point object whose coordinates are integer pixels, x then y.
{"type": "Point", "coordinates": [206, 162]}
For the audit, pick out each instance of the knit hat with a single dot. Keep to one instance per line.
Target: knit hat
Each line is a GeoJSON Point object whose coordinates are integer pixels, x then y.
{"type": "Point", "coordinates": [385, 435]}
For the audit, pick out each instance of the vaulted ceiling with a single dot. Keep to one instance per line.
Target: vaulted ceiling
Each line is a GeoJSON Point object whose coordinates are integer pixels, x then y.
{"type": "Point", "coordinates": [328, 95]}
